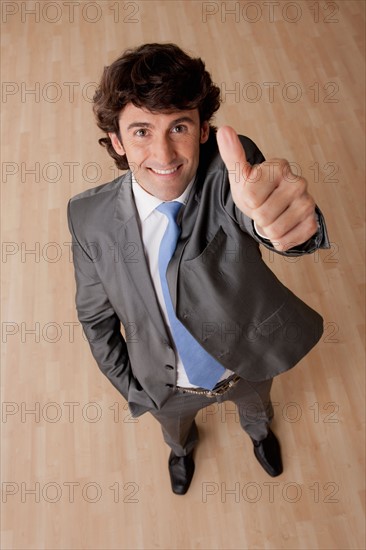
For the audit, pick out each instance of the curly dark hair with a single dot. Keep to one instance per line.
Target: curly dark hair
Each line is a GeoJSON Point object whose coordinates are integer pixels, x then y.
{"type": "Point", "coordinates": [158, 77]}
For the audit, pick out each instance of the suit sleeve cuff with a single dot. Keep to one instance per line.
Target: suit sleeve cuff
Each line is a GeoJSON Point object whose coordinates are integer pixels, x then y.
{"type": "Point", "coordinates": [318, 240]}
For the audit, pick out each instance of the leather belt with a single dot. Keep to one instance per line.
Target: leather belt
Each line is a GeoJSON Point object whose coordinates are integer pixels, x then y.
{"type": "Point", "coordinates": [219, 389]}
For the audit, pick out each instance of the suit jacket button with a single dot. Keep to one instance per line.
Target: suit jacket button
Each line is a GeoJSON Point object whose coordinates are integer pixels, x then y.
{"type": "Point", "coordinates": [169, 367]}
{"type": "Point", "coordinates": [169, 385]}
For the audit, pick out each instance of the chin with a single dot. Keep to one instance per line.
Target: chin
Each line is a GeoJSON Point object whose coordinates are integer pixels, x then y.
{"type": "Point", "coordinates": [168, 195]}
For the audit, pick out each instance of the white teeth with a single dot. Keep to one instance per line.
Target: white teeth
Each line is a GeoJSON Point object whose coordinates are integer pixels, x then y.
{"type": "Point", "coordinates": [165, 171]}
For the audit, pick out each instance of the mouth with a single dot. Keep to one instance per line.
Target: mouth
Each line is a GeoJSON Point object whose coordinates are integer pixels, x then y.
{"type": "Point", "coordinates": [165, 172]}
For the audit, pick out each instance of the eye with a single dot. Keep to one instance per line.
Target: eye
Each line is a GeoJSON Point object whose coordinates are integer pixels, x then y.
{"type": "Point", "coordinates": [179, 129]}
{"type": "Point", "coordinates": [141, 132]}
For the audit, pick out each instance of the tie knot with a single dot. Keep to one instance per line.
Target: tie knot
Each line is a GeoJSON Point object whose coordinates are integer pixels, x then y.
{"type": "Point", "coordinates": [170, 209]}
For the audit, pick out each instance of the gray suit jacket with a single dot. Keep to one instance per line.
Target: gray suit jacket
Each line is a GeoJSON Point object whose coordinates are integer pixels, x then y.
{"type": "Point", "coordinates": [223, 291]}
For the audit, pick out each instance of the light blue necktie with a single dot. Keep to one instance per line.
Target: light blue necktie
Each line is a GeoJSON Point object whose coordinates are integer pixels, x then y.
{"type": "Point", "coordinates": [201, 368]}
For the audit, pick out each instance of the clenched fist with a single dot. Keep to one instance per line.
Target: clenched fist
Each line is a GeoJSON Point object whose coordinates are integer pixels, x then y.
{"type": "Point", "coordinates": [269, 193]}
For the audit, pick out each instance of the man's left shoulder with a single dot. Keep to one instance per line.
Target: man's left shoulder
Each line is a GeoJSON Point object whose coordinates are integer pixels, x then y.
{"type": "Point", "coordinates": [252, 152]}
{"type": "Point", "coordinates": [212, 159]}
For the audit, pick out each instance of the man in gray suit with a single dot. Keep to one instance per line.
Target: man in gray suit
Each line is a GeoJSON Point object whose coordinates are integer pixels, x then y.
{"type": "Point", "coordinates": [170, 250]}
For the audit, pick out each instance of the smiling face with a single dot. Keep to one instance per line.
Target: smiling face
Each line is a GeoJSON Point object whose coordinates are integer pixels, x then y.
{"type": "Point", "coordinates": [162, 149]}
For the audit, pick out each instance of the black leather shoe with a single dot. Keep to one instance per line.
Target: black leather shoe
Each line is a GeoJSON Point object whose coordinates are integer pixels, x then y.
{"type": "Point", "coordinates": [268, 454]}
{"type": "Point", "coordinates": [181, 470]}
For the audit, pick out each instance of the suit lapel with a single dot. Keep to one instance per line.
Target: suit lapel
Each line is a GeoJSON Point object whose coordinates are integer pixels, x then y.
{"type": "Point", "coordinates": [132, 256]}
{"type": "Point", "coordinates": [187, 224]}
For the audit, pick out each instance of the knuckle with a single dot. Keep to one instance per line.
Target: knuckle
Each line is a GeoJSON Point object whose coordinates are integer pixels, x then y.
{"type": "Point", "coordinates": [299, 190]}
{"type": "Point", "coordinates": [274, 232]}
{"type": "Point", "coordinates": [312, 226]}
{"type": "Point", "coordinates": [302, 184]}
{"type": "Point", "coordinates": [309, 206]}
{"type": "Point", "coordinates": [255, 173]}
{"type": "Point", "coordinates": [284, 167]}
{"type": "Point", "coordinates": [261, 220]}
{"type": "Point", "coordinates": [252, 199]}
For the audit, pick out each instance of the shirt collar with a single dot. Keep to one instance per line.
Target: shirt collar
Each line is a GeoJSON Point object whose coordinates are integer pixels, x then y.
{"type": "Point", "coordinates": [146, 203]}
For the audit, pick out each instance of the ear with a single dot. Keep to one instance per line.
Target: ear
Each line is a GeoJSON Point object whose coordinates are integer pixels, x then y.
{"type": "Point", "coordinates": [117, 145]}
{"type": "Point", "coordinates": [205, 130]}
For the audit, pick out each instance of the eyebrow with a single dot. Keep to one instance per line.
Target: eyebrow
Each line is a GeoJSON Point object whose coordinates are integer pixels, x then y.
{"type": "Point", "coordinates": [148, 125]}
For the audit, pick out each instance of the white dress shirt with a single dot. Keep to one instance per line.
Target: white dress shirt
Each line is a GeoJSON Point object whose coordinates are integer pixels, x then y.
{"type": "Point", "coordinates": [153, 226]}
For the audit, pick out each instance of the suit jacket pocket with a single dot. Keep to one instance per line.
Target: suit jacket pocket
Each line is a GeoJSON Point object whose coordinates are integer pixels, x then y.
{"type": "Point", "coordinates": [229, 281]}
{"type": "Point", "coordinates": [211, 250]}
{"type": "Point", "coordinates": [138, 399]}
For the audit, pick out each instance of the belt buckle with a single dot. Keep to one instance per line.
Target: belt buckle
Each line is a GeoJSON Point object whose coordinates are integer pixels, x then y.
{"type": "Point", "coordinates": [223, 389]}
{"type": "Point", "coordinates": [227, 386]}
{"type": "Point", "coordinates": [213, 393]}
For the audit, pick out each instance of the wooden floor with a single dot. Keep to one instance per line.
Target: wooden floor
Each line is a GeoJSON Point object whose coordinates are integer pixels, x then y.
{"type": "Point", "coordinates": [77, 471]}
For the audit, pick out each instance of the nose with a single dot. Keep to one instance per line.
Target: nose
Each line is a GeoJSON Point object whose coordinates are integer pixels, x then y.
{"type": "Point", "coordinates": [163, 152]}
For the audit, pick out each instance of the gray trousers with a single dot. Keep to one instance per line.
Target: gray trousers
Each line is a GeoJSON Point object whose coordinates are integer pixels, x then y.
{"type": "Point", "coordinates": [177, 416]}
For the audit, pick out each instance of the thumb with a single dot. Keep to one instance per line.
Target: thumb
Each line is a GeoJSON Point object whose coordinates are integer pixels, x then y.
{"type": "Point", "coordinates": [233, 155]}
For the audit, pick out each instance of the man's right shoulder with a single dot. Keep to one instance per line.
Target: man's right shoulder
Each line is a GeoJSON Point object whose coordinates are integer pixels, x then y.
{"type": "Point", "coordinates": [94, 208]}
{"type": "Point", "coordinates": [99, 192]}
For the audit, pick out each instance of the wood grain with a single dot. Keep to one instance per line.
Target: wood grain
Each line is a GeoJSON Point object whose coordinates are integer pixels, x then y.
{"type": "Point", "coordinates": [293, 81]}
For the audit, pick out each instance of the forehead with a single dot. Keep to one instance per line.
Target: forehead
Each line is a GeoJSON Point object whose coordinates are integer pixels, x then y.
{"type": "Point", "coordinates": [136, 115]}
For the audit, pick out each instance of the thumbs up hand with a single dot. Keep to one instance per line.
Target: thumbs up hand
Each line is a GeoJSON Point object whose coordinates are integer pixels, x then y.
{"type": "Point", "coordinates": [269, 193]}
